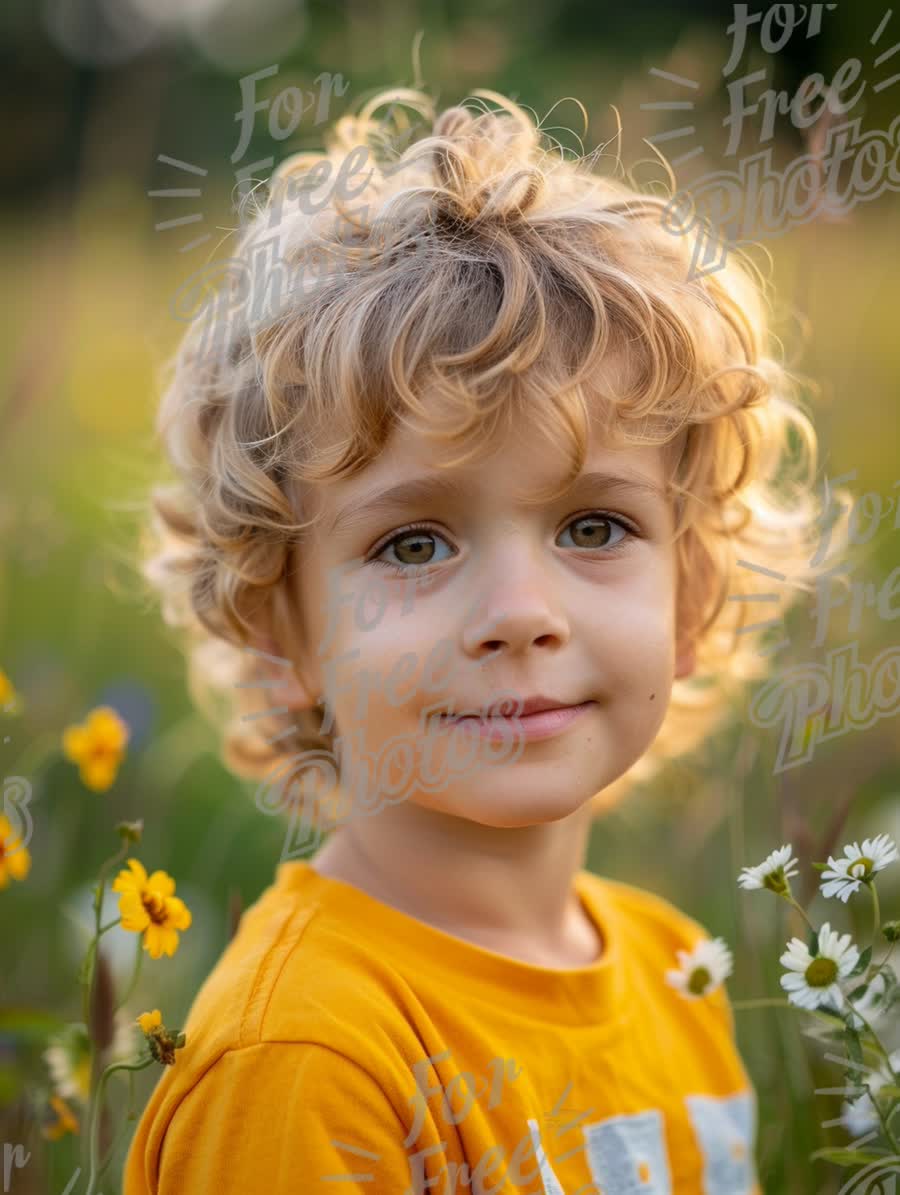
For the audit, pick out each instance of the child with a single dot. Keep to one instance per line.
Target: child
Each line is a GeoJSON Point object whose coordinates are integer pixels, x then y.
{"type": "Point", "coordinates": [491, 351]}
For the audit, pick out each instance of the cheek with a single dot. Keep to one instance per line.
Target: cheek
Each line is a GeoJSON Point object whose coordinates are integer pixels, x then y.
{"type": "Point", "coordinates": [634, 653]}
{"type": "Point", "coordinates": [634, 632]}
{"type": "Point", "coordinates": [401, 667]}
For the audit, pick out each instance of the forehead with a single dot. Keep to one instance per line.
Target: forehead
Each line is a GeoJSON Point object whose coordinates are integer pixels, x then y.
{"type": "Point", "coordinates": [518, 463]}
{"type": "Point", "coordinates": [523, 459]}
{"type": "Point", "coordinates": [514, 466]}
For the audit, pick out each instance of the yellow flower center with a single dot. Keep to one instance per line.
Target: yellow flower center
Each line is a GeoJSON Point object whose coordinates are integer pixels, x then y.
{"type": "Point", "coordinates": [699, 980]}
{"type": "Point", "coordinates": [861, 868]}
{"type": "Point", "coordinates": [821, 972]}
{"type": "Point", "coordinates": [155, 906]}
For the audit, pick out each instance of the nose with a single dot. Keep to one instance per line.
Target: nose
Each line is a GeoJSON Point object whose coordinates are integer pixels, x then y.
{"type": "Point", "coordinates": [517, 608]}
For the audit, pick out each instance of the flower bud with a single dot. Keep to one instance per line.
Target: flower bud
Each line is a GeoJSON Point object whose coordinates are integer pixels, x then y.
{"type": "Point", "coordinates": [162, 1042]}
{"type": "Point", "coordinates": [131, 831]}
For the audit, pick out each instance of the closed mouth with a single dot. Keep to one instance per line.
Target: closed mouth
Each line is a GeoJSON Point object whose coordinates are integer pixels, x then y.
{"type": "Point", "coordinates": [512, 717]}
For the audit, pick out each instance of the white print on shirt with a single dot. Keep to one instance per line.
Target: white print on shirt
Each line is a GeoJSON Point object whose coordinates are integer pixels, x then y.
{"type": "Point", "coordinates": [552, 1185]}
{"type": "Point", "coordinates": [725, 1126]}
{"type": "Point", "coordinates": [627, 1154]}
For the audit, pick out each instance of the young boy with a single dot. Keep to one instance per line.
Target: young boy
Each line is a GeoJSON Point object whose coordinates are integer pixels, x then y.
{"type": "Point", "coordinates": [503, 368]}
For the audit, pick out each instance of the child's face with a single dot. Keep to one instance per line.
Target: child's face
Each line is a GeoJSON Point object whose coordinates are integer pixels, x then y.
{"type": "Point", "coordinates": [528, 601]}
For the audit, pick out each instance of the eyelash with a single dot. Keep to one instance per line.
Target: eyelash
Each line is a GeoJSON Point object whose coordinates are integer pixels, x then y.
{"type": "Point", "coordinates": [629, 529]}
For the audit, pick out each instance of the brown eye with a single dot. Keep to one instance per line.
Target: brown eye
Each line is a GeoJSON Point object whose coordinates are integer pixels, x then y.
{"type": "Point", "coordinates": [596, 531]}
{"type": "Point", "coordinates": [418, 544]}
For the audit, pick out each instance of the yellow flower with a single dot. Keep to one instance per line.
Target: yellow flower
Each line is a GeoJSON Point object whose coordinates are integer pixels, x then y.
{"type": "Point", "coordinates": [97, 746]}
{"type": "Point", "coordinates": [66, 1121]}
{"type": "Point", "coordinates": [15, 860]}
{"type": "Point", "coordinates": [149, 1020]}
{"type": "Point", "coordinates": [10, 701]}
{"type": "Point", "coordinates": [163, 1042]}
{"type": "Point", "coordinates": [150, 907]}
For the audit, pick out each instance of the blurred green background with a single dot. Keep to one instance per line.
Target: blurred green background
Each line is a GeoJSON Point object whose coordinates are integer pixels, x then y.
{"type": "Point", "coordinates": [94, 93]}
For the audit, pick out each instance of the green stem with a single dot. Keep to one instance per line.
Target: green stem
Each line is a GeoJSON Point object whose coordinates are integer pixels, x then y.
{"type": "Point", "coordinates": [135, 975]}
{"type": "Point", "coordinates": [876, 967]}
{"type": "Point", "coordinates": [111, 862]}
{"type": "Point", "coordinates": [89, 964]}
{"type": "Point", "coordinates": [87, 976]}
{"type": "Point", "coordinates": [881, 1115]}
{"type": "Point", "coordinates": [894, 1108]}
{"type": "Point", "coordinates": [889, 1136]}
{"type": "Point", "coordinates": [96, 1105]}
{"type": "Point", "coordinates": [802, 913]}
{"type": "Point", "coordinates": [875, 1037]}
{"type": "Point", "coordinates": [120, 1137]}
{"type": "Point", "coordinates": [764, 1002]}
{"type": "Point", "coordinates": [876, 910]}
{"type": "Point", "coordinates": [88, 967]}
{"type": "Point", "coordinates": [830, 1018]}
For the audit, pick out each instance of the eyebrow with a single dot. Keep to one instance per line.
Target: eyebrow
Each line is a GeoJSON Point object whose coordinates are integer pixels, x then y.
{"type": "Point", "coordinates": [424, 489]}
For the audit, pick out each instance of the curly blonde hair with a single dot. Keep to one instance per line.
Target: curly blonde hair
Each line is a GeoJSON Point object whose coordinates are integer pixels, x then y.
{"type": "Point", "coordinates": [484, 268]}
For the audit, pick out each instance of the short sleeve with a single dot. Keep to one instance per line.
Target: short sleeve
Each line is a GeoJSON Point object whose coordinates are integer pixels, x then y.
{"type": "Point", "coordinates": [284, 1117]}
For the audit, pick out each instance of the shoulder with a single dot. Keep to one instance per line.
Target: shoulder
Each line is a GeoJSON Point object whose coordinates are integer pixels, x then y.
{"type": "Point", "coordinates": [293, 982]}
{"type": "Point", "coordinates": [642, 908]}
{"type": "Point", "coordinates": [283, 1076]}
{"type": "Point", "coordinates": [655, 930]}
{"type": "Point", "coordinates": [267, 1114]}
{"type": "Point", "coordinates": [292, 969]}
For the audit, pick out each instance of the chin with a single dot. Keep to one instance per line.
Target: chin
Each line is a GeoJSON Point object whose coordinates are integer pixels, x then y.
{"type": "Point", "coordinates": [513, 810]}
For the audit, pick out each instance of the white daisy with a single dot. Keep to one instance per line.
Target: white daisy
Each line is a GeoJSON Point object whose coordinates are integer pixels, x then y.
{"type": "Point", "coordinates": [68, 1056]}
{"type": "Point", "coordinates": [773, 874]}
{"type": "Point", "coordinates": [842, 877]}
{"type": "Point", "coordinates": [68, 1060]}
{"type": "Point", "coordinates": [860, 1115]}
{"type": "Point", "coordinates": [702, 969]}
{"type": "Point", "coordinates": [813, 979]}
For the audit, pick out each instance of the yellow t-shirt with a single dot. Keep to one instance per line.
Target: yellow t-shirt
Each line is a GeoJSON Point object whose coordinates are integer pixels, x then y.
{"type": "Point", "coordinates": [342, 1047]}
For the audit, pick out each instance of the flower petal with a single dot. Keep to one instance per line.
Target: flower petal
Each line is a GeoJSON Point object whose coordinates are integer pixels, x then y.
{"type": "Point", "coordinates": [99, 773]}
{"type": "Point", "coordinates": [161, 883]}
{"type": "Point", "coordinates": [18, 863]}
{"type": "Point", "coordinates": [127, 881]}
{"type": "Point", "coordinates": [75, 743]}
{"type": "Point", "coordinates": [107, 728]}
{"type": "Point", "coordinates": [178, 915]}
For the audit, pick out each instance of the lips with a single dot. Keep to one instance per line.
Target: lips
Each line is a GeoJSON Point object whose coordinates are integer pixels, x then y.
{"type": "Point", "coordinates": [531, 705]}
{"type": "Point", "coordinates": [541, 724]}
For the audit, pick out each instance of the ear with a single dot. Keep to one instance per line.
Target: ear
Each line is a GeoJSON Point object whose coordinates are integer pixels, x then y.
{"type": "Point", "coordinates": [287, 687]}
{"type": "Point", "coordinates": [685, 660]}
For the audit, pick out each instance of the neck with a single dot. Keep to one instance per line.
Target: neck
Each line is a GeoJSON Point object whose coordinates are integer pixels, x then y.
{"type": "Point", "coordinates": [510, 889]}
